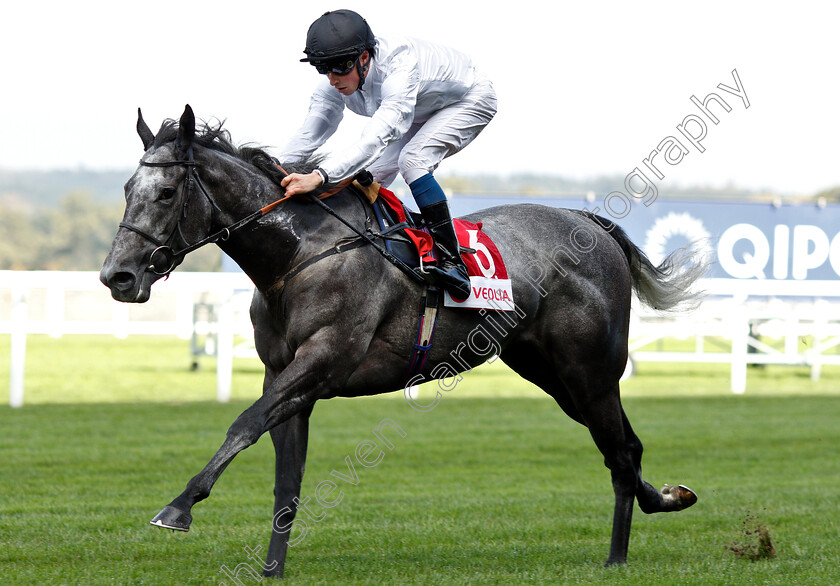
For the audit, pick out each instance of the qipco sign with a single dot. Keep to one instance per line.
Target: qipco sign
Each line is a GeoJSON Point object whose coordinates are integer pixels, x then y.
{"type": "Point", "coordinates": [744, 240]}
{"type": "Point", "coordinates": [796, 252]}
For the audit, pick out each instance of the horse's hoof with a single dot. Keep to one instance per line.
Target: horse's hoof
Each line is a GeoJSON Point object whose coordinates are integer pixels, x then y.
{"type": "Point", "coordinates": [677, 498]}
{"type": "Point", "coordinates": [172, 518]}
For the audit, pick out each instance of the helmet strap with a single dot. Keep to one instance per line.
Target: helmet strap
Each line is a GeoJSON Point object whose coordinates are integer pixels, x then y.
{"type": "Point", "coordinates": [362, 69]}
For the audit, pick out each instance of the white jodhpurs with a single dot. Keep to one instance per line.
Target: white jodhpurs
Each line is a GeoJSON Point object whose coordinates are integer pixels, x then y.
{"type": "Point", "coordinates": [445, 133]}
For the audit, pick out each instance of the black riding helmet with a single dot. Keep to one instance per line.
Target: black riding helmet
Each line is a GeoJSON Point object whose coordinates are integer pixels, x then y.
{"type": "Point", "coordinates": [335, 41]}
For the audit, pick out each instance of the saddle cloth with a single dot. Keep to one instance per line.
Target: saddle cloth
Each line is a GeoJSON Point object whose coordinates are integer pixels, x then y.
{"type": "Point", "coordinates": [490, 284]}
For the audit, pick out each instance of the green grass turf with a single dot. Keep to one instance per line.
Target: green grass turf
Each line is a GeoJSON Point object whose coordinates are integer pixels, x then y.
{"type": "Point", "coordinates": [495, 485]}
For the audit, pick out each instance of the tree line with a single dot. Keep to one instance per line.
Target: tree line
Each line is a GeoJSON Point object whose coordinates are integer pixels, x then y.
{"type": "Point", "coordinates": [74, 235]}
{"type": "Point", "coordinates": [66, 220]}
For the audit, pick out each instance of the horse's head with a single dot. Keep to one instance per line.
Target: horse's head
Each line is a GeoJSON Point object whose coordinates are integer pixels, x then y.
{"type": "Point", "coordinates": [156, 227]}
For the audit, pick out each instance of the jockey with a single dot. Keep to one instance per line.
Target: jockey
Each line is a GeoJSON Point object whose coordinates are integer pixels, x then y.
{"type": "Point", "coordinates": [425, 102]}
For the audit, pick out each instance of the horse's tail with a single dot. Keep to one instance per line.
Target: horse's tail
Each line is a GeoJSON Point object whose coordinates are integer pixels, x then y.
{"type": "Point", "coordinates": [664, 287]}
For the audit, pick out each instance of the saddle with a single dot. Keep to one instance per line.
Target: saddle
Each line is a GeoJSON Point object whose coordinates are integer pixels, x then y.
{"type": "Point", "coordinates": [406, 237]}
{"type": "Point", "coordinates": [402, 230]}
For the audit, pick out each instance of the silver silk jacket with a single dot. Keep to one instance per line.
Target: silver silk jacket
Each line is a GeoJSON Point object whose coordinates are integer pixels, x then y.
{"type": "Point", "coordinates": [408, 81]}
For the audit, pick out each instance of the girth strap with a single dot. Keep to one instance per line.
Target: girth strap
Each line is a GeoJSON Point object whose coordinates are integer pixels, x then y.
{"type": "Point", "coordinates": [337, 249]}
{"type": "Point", "coordinates": [425, 332]}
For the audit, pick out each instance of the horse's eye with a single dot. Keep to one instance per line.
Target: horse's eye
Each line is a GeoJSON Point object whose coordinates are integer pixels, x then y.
{"type": "Point", "coordinates": [166, 193]}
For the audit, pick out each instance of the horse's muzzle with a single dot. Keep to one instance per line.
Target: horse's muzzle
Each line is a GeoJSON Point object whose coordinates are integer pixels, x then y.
{"type": "Point", "coordinates": [125, 285]}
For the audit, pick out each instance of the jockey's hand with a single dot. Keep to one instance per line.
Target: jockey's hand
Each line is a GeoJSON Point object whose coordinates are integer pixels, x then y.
{"type": "Point", "coordinates": [297, 184]}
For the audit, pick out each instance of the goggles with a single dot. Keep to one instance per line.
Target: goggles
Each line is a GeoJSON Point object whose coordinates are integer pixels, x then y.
{"type": "Point", "coordinates": [340, 66]}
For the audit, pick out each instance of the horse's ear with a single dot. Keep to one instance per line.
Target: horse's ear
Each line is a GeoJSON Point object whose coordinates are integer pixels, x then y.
{"type": "Point", "coordinates": [186, 131]}
{"type": "Point", "coordinates": [146, 135]}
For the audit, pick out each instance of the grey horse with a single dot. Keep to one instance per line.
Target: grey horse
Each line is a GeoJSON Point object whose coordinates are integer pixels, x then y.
{"type": "Point", "coordinates": [573, 275]}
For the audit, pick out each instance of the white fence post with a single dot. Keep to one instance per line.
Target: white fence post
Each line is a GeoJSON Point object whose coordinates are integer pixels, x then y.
{"type": "Point", "coordinates": [740, 336]}
{"type": "Point", "coordinates": [224, 347]}
{"type": "Point", "coordinates": [821, 308]}
{"type": "Point", "coordinates": [18, 351]}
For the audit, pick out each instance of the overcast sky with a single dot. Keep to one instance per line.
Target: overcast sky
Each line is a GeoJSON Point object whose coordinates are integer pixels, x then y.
{"type": "Point", "coordinates": [585, 88]}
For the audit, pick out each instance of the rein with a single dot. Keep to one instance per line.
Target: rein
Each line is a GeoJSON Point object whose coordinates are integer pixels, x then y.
{"type": "Point", "coordinates": [168, 256]}
{"type": "Point", "coordinates": [164, 248]}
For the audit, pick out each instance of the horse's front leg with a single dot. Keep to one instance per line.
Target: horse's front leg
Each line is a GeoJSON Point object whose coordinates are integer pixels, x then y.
{"type": "Point", "coordinates": [290, 444]}
{"type": "Point", "coordinates": [312, 375]}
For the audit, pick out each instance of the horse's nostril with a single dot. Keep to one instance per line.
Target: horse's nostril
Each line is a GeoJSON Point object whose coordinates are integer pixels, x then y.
{"type": "Point", "coordinates": [123, 280]}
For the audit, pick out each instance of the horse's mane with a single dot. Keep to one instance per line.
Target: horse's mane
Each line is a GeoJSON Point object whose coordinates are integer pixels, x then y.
{"type": "Point", "coordinates": [214, 137]}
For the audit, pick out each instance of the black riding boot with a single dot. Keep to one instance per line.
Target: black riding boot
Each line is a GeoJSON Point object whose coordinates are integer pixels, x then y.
{"type": "Point", "coordinates": [451, 270]}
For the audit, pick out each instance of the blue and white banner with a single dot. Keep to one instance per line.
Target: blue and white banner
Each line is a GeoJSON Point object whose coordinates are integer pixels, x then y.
{"type": "Point", "coordinates": [744, 240]}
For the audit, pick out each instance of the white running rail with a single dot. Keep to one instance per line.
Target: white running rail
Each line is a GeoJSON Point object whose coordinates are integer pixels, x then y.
{"type": "Point", "coordinates": [744, 313]}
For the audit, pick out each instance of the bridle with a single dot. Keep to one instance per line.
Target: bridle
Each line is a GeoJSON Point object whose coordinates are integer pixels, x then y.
{"type": "Point", "coordinates": [164, 250]}
{"type": "Point", "coordinates": [168, 256]}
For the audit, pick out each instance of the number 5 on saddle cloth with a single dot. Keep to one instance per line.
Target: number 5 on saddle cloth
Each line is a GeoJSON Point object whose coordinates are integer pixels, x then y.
{"type": "Point", "coordinates": [408, 240]}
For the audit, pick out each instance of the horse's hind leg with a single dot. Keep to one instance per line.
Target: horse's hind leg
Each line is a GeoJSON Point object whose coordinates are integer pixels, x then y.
{"type": "Point", "coordinates": [622, 450]}
{"type": "Point", "coordinates": [604, 418]}
{"type": "Point", "coordinates": [610, 429]}
{"type": "Point", "coordinates": [587, 402]}
{"type": "Point", "coordinates": [671, 498]}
